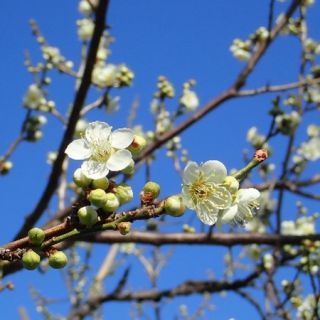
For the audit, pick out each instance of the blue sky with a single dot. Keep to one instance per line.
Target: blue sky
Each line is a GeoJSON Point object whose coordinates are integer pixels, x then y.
{"type": "Point", "coordinates": [179, 39]}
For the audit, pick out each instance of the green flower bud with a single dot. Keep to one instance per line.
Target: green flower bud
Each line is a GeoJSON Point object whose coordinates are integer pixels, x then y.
{"type": "Point", "coordinates": [152, 188]}
{"type": "Point", "coordinates": [102, 183]}
{"type": "Point", "coordinates": [231, 183]}
{"type": "Point", "coordinates": [137, 145]}
{"type": "Point", "coordinates": [129, 170]}
{"type": "Point", "coordinates": [88, 216]}
{"type": "Point", "coordinates": [124, 193]}
{"type": "Point", "coordinates": [58, 260]}
{"type": "Point", "coordinates": [112, 203]}
{"type": "Point", "coordinates": [174, 206]}
{"type": "Point", "coordinates": [124, 227]}
{"type": "Point", "coordinates": [80, 179]}
{"type": "Point", "coordinates": [30, 260]}
{"type": "Point", "coordinates": [97, 197]}
{"type": "Point", "coordinates": [36, 236]}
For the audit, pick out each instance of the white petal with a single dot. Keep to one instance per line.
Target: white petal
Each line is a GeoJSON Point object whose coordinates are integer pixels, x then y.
{"type": "Point", "coordinates": [97, 131]}
{"type": "Point", "coordinates": [214, 171]}
{"type": "Point", "coordinates": [187, 198]}
{"type": "Point", "coordinates": [78, 150]}
{"type": "Point", "coordinates": [119, 160]}
{"type": "Point", "coordinates": [248, 195]}
{"type": "Point", "coordinates": [207, 216]}
{"type": "Point", "coordinates": [221, 198]}
{"type": "Point", "coordinates": [94, 169]}
{"type": "Point", "coordinates": [121, 138]}
{"type": "Point", "coordinates": [191, 172]}
{"type": "Point", "coordinates": [229, 214]}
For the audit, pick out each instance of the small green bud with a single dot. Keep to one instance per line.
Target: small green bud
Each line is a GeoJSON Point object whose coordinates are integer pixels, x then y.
{"type": "Point", "coordinates": [80, 179]}
{"type": "Point", "coordinates": [137, 144]}
{"type": "Point", "coordinates": [124, 227]}
{"type": "Point", "coordinates": [129, 170]}
{"type": "Point", "coordinates": [231, 183]}
{"type": "Point", "coordinates": [36, 236]}
{"type": "Point", "coordinates": [124, 193]}
{"type": "Point", "coordinates": [174, 206]}
{"type": "Point", "coordinates": [97, 197]}
{"type": "Point", "coordinates": [102, 183]}
{"type": "Point", "coordinates": [153, 188]}
{"type": "Point", "coordinates": [30, 260]}
{"type": "Point", "coordinates": [112, 203]}
{"type": "Point", "coordinates": [88, 216]}
{"type": "Point", "coordinates": [58, 260]}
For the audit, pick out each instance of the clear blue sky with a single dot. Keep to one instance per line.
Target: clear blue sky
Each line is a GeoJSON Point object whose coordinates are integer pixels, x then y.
{"type": "Point", "coordinates": [179, 39]}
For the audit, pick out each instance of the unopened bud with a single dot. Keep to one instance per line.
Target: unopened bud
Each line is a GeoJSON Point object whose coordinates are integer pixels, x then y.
{"type": "Point", "coordinates": [174, 206]}
{"type": "Point", "coordinates": [30, 260]}
{"type": "Point", "coordinates": [58, 260]}
{"type": "Point", "coordinates": [97, 197]}
{"type": "Point", "coordinates": [36, 236]}
{"type": "Point", "coordinates": [124, 193]}
{"type": "Point", "coordinates": [88, 216]}
{"type": "Point", "coordinates": [152, 188]}
{"type": "Point", "coordinates": [137, 144]}
{"type": "Point", "coordinates": [102, 183]}
{"type": "Point", "coordinates": [124, 227]}
{"type": "Point", "coordinates": [80, 179]}
{"type": "Point", "coordinates": [231, 183]}
{"type": "Point", "coordinates": [112, 203]}
{"type": "Point", "coordinates": [129, 170]}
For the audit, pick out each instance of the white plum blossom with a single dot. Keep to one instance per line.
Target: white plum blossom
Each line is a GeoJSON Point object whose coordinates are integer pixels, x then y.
{"type": "Point", "coordinates": [241, 49]}
{"type": "Point", "coordinates": [189, 100]}
{"type": "Point", "coordinates": [101, 149]}
{"type": "Point", "coordinates": [85, 29]}
{"type": "Point", "coordinates": [301, 227]}
{"type": "Point", "coordinates": [241, 210]}
{"type": "Point", "coordinates": [310, 150]}
{"type": "Point", "coordinates": [34, 97]}
{"type": "Point", "coordinates": [202, 189]}
{"type": "Point", "coordinates": [85, 8]}
{"type": "Point", "coordinates": [104, 75]}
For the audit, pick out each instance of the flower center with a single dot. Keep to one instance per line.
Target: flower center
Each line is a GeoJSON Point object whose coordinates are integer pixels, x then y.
{"type": "Point", "coordinates": [200, 190]}
{"type": "Point", "coordinates": [101, 150]}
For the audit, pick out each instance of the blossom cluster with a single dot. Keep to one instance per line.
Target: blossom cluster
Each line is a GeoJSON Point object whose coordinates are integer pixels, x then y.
{"type": "Point", "coordinates": [215, 196]}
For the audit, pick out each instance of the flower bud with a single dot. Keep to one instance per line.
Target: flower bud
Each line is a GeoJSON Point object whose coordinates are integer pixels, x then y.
{"type": "Point", "coordinates": [102, 183]}
{"type": "Point", "coordinates": [129, 170]}
{"type": "Point", "coordinates": [137, 144]}
{"type": "Point", "coordinates": [5, 167]}
{"type": "Point", "coordinates": [153, 188]}
{"type": "Point", "coordinates": [97, 197]}
{"type": "Point", "coordinates": [124, 193]}
{"type": "Point", "coordinates": [124, 227]}
{"type": "Point", "coordinates": [58, 260]}
{"type": "Point", "coordinates": [30, 260]}
{"type": "Point", "coordinates": [80, 179]}
{"type": "Point", "coordinates": [88, 216]}
{"type": "Point", "coordinates": [231, 183]}
{"type": "Point", "coordinates": [36, 236]}
{"type": "Point", "coordinates": [174, 206]}
{"type": "Point", "coordinates": [112, 203]}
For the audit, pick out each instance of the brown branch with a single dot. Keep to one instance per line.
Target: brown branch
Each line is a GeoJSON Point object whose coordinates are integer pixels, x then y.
{"type": "Point", "coordinates": [79, 100]}
{"type": "Point", "coordinates": [184, 289]}
{"type": "Point", "coordinates": [220, 239]}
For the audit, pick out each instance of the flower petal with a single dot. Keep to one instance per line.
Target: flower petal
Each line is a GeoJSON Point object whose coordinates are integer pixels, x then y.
{"type": "Point", "coordinates": [229, 214]}
{"type": "Point", "coordinates": [119, 160]}
{"type": "Point", "coordinates": [94, 169]}
{"type": "Point", "coordinates": [248, 195]}
{"type": "Point", "coordinates": [191, 172]}
{"type": "Point", "coordinates": [207, 215]}
{"type": "Point", "coordinates": [78, 150]}
{"type": "Point", "coordinates": [121, 138]}
{"type": "Point", "coordinates": [97, 131]}
{"type": "Point", "coordinates": [220, 198]}
{"type": "Point", "coordinates": [214, 171]}
{"type": "Point", "coordinates": [186, 197]}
